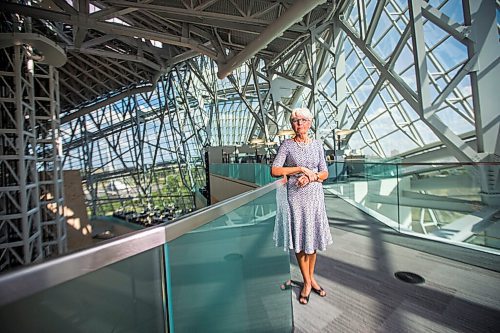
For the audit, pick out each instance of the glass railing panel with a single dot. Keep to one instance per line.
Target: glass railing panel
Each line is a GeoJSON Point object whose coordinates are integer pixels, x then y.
{"type": "Point", "coordinates": [225, 275]}
{"type": "Point", "coordinates": [263, 174]}
{"type": "Point", "coordinates": [220, 169]}
{"type": "Point", "coordinates": [232, 172]}
{"type": "Point", "coordinates": [457, 202]}
{"type": "Point", "coordinates": [338, 181]}
{"type": "Point", "coordinates": [255, 173]}
{"type": "Point", "coordinates": [126, 296]}
{"type": "Point", "coordinates": [382, 192]}
{"type": "Point", "coordinates": [380, 171]}
{"type": "Point", "coordinates": [245, 172]}
{"type": "Point", "coordinates": [347, 179]}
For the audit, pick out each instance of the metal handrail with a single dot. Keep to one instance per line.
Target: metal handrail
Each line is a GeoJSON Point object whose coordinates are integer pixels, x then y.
{"type": "Point", "coordinates": [28, 280]}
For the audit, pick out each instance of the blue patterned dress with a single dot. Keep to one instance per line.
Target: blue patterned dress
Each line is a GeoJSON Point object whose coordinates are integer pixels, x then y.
{"type": "Point", "coordinates": [301, 220]}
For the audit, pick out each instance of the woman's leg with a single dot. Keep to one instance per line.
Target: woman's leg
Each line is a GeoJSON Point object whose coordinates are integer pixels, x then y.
{"type": "Point", "coordinates": [304, 264]}
{"type": "Point", "coordinates": [312, 265]}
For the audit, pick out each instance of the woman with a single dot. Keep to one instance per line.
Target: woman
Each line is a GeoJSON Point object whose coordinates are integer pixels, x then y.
{"type": "Point", "coordinates": [302, 160]}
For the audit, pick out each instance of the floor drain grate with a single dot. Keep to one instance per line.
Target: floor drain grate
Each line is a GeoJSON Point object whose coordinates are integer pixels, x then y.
{"type": "Point", "coordinates": [409, 277]}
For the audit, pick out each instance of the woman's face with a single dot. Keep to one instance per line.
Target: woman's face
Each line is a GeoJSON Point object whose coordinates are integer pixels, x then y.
{"type": "Point", "coordinates": [301, 124]}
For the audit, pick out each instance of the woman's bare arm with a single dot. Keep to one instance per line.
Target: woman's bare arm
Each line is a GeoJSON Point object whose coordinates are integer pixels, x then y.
{"type": "Point", "coordinates": [285, 171]}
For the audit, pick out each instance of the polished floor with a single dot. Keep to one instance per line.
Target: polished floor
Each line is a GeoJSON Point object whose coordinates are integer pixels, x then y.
{"type": "Point", "coordinates": [461, 292]}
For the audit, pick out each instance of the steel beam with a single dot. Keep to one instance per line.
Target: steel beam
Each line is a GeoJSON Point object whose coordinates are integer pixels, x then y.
{"type": "Point", "coordinates": [275, 29]}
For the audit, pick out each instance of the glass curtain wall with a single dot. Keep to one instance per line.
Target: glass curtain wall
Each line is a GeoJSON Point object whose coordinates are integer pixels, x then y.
{"type": "Point", "coordinates": [144, 152]}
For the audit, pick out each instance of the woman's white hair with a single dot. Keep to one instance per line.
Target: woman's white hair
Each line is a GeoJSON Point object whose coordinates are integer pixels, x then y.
{"type": "Point", "coordinates": [301, 112]}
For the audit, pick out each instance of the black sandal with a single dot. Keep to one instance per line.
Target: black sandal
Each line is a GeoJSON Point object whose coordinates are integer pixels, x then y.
{"type": "Point", "coordinates": [318, 291]}
{"type": "Point", "coordinates": [306, 298]}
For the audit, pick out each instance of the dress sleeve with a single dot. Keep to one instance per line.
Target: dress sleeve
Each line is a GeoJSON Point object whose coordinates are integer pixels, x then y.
{"type": "Point", "coordinates": [280, 158]}
{"type": "Point", "coordinates": [322, 159]}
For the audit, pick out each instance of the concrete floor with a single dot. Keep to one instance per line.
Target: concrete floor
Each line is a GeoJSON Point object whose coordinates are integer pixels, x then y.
{"type": "Point", "coordinates": [357, 272]}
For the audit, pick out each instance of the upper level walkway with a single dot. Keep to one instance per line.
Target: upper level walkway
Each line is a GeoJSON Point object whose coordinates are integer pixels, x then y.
{"type": "Point", "coordinates": [461, 292]}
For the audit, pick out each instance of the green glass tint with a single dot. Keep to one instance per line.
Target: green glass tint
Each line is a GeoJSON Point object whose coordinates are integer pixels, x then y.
{"type": "Point", "coordinates": [255, 173]}
{"type": "Point", "coordinates": [123, 297]}
{"type": "Point", "coordinates": [226, 275]}
{"type": "Point", "coordinates": [454, 201]}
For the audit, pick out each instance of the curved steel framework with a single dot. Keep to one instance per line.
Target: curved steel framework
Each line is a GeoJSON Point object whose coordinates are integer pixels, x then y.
{"type": "Point", "coordinates": [412, 80]}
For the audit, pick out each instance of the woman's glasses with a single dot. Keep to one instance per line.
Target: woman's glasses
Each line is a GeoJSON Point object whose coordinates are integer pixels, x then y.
{"type": "Point", "coordinates": [300, 120]}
